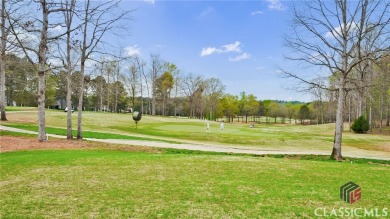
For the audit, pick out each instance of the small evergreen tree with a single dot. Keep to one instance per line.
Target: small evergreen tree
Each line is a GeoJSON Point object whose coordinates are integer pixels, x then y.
{"type": "Point", "coordinates": [360, 125]}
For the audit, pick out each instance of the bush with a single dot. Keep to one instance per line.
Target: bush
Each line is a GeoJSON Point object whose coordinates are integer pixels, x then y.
{"type": "Point", "coordinates": [360, 125]}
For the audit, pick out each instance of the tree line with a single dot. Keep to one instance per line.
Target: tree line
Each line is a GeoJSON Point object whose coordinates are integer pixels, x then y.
{"type": "Point", "coordinates": [126, 85]}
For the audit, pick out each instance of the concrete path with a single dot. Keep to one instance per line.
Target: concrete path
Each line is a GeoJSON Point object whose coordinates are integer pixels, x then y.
{"type": "Point", "coordinates": [349, 152]}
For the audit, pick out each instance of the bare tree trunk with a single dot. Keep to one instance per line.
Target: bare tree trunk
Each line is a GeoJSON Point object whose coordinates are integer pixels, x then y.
{"type": "Point", "coordinates": [349, 114]}
{"type": "Point", "coordinates": [116, 90]}
{"type": "Point", "coordinates": [370, 117]}
{"type": "Point", "coordinates": [174, 102]}
{"type": "Point", "coordinates": [336, 152]}
{"type": "Point", "coordinates": [388, 115]}
{"type": "Point", "coordinates": [101, 87]}
{"type": "Point", "coordinates": [108, 89]}
{"type": "Point", "coordinates": [80, 104]}
{"type": "Point", "coordinates": [41, 73]}
{"type": "Point", "coordinates": [82, 72]}
{"type": "Point", "coordinates": [68, 19]}
{"type": "Point", "coordinates": [2, 62]}
{"type": "Point", "coordinates": [69, 102]}
{"type": "Point", "coordinates": [142, 98]}
{"type": "Point", "coordinates": [147, 88]}
{"type": "Point", "coordinates": [153, 98]}
{"type": "Point", "coordinates": [381, 112]}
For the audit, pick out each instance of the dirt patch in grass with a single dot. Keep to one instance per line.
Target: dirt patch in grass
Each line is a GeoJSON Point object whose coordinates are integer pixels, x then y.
{"type": "Point", "coordinates": [12, 143]}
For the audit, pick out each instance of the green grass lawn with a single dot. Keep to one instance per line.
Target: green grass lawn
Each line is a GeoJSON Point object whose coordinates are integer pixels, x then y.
{"type": "Point", "coordinates": [107, 182]}
{"type": "Point", "coordinates": [86, 134]}
{"type": "Point", "coordinates": [18, 108]}
{"type": "Point", "coordinates": [263, 136]}
{"type": "Point", "coordinates": [112, 184]}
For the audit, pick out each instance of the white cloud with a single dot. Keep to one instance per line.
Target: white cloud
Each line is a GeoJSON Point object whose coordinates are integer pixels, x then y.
{"type": "Point", "coordinates": [209, 50]}
{"type": "Point", "coordinates": [240, 57]}
{"type": "Point", "coordinates": [257, 13]}
{"type": "Point", "coordinates": [260, 68]}
{"type": "Point", "coordinates": [275, 5]}
{"type": "Point", "coordinates": [57, 28]}
{"type": "Point", "coordinates": [233, 47]}
{"type": "Point", "coordinates": [28, 39]}
{"type": "Point", "coordinates": [132, 51]}
{"type": "Point", "coordinates": [337, 30]}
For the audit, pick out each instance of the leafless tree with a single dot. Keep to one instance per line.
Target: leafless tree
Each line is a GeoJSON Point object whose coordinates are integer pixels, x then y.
{"type": "Point", "coordinates": [176, 83]}
{"type": "Point", "coordinates": [98, 18]}
{"type": "Point", "coordinates": [140, 69]}
{"type": "Point", "coordinates": [330, 35]}
{"type": "Point", "coordinates": [155, 71]}
{"type": "Point", "coordinates": [38, 27]}
{"type": "Point", "coordinates": [7, 44]}
{"type": "Point", "coordinates": [69, 12]}
{"type": "Point", "coordinates": [4, 34]}
{"type": "Point", "coordinates": [192, 86]}
{"type": "Point", "coordinates": [319, 95]}
{"type": "Point", "coordinates": [213, 91]}
{"type": "Point", "coordinates": [131, 81]}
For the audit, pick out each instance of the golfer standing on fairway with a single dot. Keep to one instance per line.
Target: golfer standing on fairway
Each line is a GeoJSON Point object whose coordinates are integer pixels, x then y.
{"type": "Point", "coordinates": [222, 126]}
{"type": "Point", "coordinates": [207, 125]}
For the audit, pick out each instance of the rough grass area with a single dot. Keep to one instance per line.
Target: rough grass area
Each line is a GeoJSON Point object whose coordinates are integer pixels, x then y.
{"type": "Point", "coordinates": [109, 184]}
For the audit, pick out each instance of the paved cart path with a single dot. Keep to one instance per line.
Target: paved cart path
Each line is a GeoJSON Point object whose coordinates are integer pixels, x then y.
{"type": "Point", "coordinates": [347, 151]}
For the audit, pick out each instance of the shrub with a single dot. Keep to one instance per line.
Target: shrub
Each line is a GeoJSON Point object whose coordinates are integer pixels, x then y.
{"type": "Point", "coordinates": [360, 125]}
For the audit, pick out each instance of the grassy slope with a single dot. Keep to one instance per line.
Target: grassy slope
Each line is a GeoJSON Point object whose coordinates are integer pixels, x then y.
{"type": "Point", "coordinates": [264, 136]}
{"type": "Point", "coordinates": [100, 183]}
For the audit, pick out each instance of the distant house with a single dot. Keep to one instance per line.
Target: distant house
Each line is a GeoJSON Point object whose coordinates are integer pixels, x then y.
{"type": "Point", "coordinates": [59, 104]}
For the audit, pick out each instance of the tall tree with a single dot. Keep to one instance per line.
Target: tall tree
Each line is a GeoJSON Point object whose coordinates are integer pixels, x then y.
{"type": "Point", "coordinates": [21, 82]}
{"type": "Point", "coordinates": [166, 85]}
{"type": "Point", "coordinates": [253, 105]}
{"type": "Point", "coordinates": [155, 71]}
{"type": "Point", "coordinates": [30, 25]}
{"type": "Point", "coordinates": [192, 85]}
{"type": "Point", "coordinates": [98, 20]}
{"type": "Point", "coordinates": [4, 34]}
{"type": "Point", "coordinates": [69, 12]}
{"type": "Point", "coordinates": [213, 91]}
{"type": "Point", "coordinates": [132, 82]}
{"type": "Point", "coordinates": [230, 106]}
{"type": "Point", "coordinates": [8, 16]}
{"type": "Point", "coordinates": [304, 113]}
{"type": "Point", "coordinates": [331, 35]}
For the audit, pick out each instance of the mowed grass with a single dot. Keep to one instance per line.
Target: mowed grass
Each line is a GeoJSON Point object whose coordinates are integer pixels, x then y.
{"type": "Point", "coordinates": [111, 184]}
{"type": "Point", "coordinates": [263, 136]}
{"type": "Point", "coordinates": [86, 134]}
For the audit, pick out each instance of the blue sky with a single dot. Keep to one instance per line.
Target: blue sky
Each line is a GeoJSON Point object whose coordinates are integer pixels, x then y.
{"type": "Point", "coordinates": [239, 42]}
